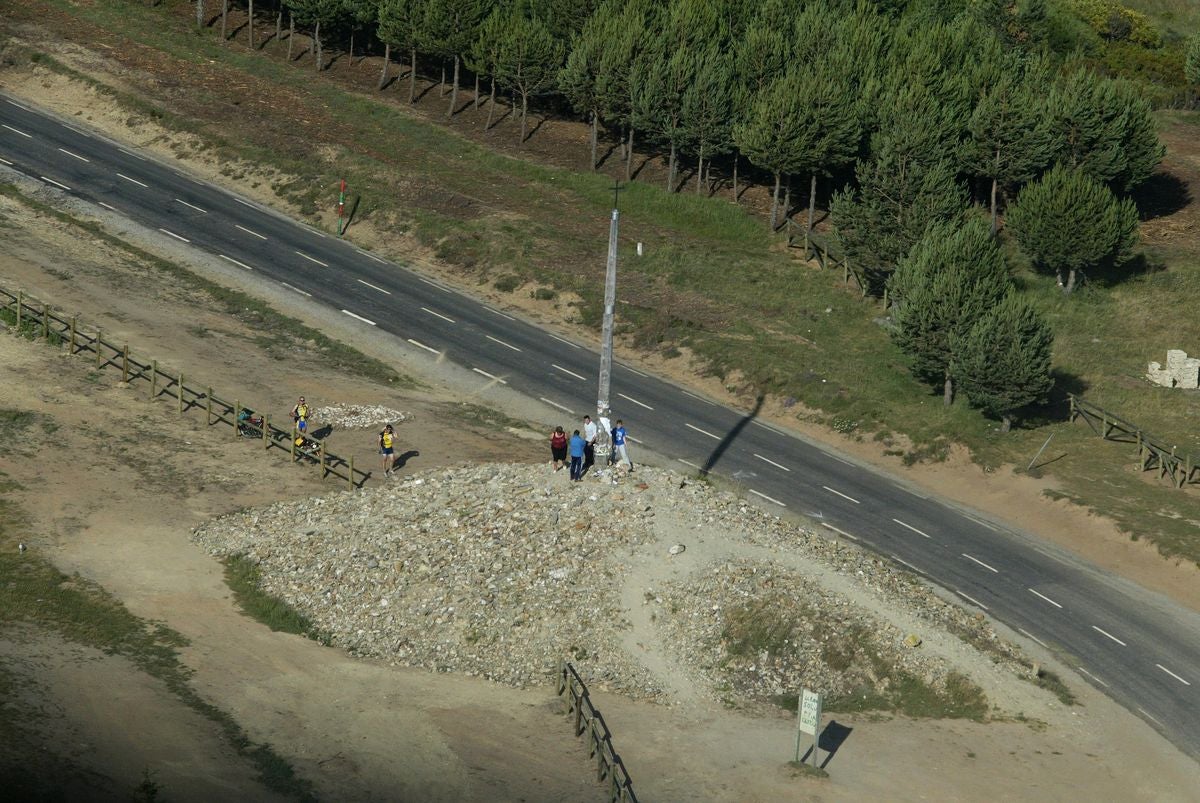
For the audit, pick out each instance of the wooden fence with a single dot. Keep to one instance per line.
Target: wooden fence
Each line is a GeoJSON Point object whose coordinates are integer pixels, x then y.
{"type": "Point", "coordinates": [35, 319]}
{"type": "Point", "coordinates": [590, 725]}
{"type": "Point", "coordinates": [1153, 453]}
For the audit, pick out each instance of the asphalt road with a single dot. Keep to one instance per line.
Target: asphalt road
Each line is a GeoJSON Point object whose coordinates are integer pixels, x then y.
{"type": "Point", "coordinates": [1138, 647]}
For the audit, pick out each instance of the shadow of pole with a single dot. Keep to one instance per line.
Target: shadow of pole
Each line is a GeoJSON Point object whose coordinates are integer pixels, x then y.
{"type": "Point", "coordinates": [732, 435]}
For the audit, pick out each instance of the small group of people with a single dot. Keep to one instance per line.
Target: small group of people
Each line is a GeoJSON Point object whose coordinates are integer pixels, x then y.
{"type": "Point", "coordinates": [581, 448]}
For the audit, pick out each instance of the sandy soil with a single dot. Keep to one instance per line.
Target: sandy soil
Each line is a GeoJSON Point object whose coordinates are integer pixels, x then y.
{"type": "Point", "coordinates": [364, 730]}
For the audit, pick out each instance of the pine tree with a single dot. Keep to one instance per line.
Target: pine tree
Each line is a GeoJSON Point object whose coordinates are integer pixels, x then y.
{"type": "Point", "coordinates": [1003, 361]}
{"type": "Point", "coordinates": [659, 83]}
{"type": "Point", "coordinates": [1191, 64]}
{"type": "Point", "coordinates": [359, 13]}
{"type": "Point", "coordinates": [638, 33]}
{"type": "Point", "coordinates": [1069, 221]}
{"type": "Point", "coordinates": [528, 58]}
{"type": "Point", "coordinates": [449, 28]}
{"type": "Point", "coordinates": [400, 25]}
{"type": "Point", "coordinates": [706, 108]}
{"type": "Point", "coordinates": [769, 134]}
{"type": "Point", "coordinates": [831, 132]}
{"type": "Point", "coordinates": [953, 276]}
{"type": "Point", "coordinates": [316, 13]}
{"type": "Point", "coordinates": [580, 77]}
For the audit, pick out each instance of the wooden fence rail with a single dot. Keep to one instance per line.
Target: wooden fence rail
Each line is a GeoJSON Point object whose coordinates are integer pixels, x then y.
{"type": "Point", "coordinates": [34, 318]}
{"type": "Point", "coordinates": [1153, 453]}
{"type": "Point", "coordinates": [590, 725]}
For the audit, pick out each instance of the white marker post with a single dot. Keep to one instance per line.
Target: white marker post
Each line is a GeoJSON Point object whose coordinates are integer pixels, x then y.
{"type": "Point", "coordinates": [808, 720]}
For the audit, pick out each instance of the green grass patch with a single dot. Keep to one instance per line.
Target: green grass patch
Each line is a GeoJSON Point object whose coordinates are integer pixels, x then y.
{"type": "Point", "coordinates": [244, 577]}
{"type": "Point", "coordinates": [907, 694]}
{"type": "Point", "coordinates": [1051, 682]}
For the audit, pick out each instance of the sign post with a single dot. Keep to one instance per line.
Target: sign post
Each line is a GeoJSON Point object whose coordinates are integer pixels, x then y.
{"type": "Point", "coordinates": [808, 720]}
{"type": "Point", "coordinates": [341, 208]}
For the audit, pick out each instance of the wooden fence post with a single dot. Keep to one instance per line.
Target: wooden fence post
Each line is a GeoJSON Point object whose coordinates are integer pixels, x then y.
{"type": "Point", "coordinates": [45, 322]}
{"type": "Point", "coordinates": [73, 323]}
{"type": "Point", "coordinates": [351, 472]}
{"type": "Point", "coordinates": [321, 451]}
{"type": "Point", "coordinates": [125, 363]}
{"type": "Point", "coordinates": [153, 379]}
{"type": "Point", "coordinates": [292, 442]}
{"type": "Point", "coordinates": [179, 387]}
{"type": "Point", "coordinates": [266, 429]}
{"type": "Point", "coordinates": [20, 297]}
{"type": "Point", "coordinates": [237, 412]}
{"type": "Point", "coordinates": [208, 408]}
{"type": "Point", "coordinates": [99, 339]}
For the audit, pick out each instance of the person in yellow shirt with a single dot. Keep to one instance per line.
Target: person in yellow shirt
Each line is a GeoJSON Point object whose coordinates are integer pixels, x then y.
{"type": "Point", "coordinates": [387, 448]}
{"type": "Point", "coordinates": [300, 415]}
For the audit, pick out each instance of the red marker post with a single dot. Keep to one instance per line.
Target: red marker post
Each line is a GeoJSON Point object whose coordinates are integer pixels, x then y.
{"type": "Point", "coordinates": [341, 208]}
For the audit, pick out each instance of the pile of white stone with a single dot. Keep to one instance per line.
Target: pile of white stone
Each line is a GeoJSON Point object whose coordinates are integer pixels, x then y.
{"type": "Point", "coordinates": [359, 416]}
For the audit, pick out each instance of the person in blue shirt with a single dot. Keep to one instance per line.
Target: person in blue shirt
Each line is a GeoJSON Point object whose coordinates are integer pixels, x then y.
{"type": "Point", "coordinates": [620, 452]}
{"type": "Point", "coordinates": [577, 447]}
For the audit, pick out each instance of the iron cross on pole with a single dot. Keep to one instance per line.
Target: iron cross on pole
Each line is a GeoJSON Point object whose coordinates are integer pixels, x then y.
{"type": "Point", "coordinates": [603, 445]}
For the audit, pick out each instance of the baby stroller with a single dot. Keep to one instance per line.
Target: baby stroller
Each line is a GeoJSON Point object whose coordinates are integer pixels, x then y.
{"type": "Point", "coordinates": [249, 425]}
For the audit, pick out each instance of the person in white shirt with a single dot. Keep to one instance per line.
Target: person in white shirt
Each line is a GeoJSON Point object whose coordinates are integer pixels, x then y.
{"type": "Point", "coordinates": [589, 436]}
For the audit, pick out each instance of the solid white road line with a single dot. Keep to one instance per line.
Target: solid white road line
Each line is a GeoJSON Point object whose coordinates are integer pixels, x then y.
{"type": "Point", "coordinates": [498, 312]}
{"type": "Point", "coordinates": [772, 462]}
{"type": "Point", "coordinates": [981, 563]}
{"type": "Point", "coordinates": [56, 183]}
{"type": "Point", "coordinates": [191, 206]}
{"type": "Point", "coordinates": [176, 236]}
{"type": "Point", "coordinates": [839, 493]}
{"type": "Point", "coordinates": [981, 523]}
{"type": "Point", "coordinates": [1172, 674]}
{"type": "Point", "coordinates": [632, 439]}
{"type": "Point", "coordinates": [1106, 634]}
{"type": "Point", "coordinates": [567, 342]}
{"type": "Point", "coordinates": [18, 105]}
{"type": "Point", "coordinates": [689, 463]}
{"type": "Point", "coordinates": [106, 206]}
{"type": "Point", "coordinates": [297, 289]}
{"type": "Point", "coordinates": [502, 343]}
{"type": "Point", "coordinates": [703, 432]}
{"type": "Point", "coordinates": [375, 287]}
{"type": "Point", "coordinates": [74, 155]}
{"type": "Point", "coordinates": [234, 261]}
{"type": "Point", "coordinates": [768, 498]}
{"type": "Point", "coordinates": [492, 377]}
{"type": "Point", "coordinates": [697, 398]}
{"type": "Point", "coordinates": [635, 401]}
{"type": "Point", "coordinates": [911, 491]}
{"type": "Point", "coordinates": [2, 159]}
{"type": "Point", "coordinates": [971, 600]}
{"type": "Point", "coordinates": [1148, 716]}
{"type": "Point", "coordinates": [359, 317]}
{"type": "Point", "coordinates": [433, 284]}
{"type": "Point", "coordinates": [319, 234]}
{"type": "Point", "coordinates": [1043, 596]}
{"type": "Point", "coordinates": [131, 153]}
{"type": "Point", "coordinates": [906, 563]}
{"type": "Point", "coordinates": [301, 253]}
{"type": "Point", "coordinates": [245, 203]}
{"type": "Point", "coordinates": [133, 181]}
{"type": "Point", "coordinates": [828, 526]}
{"type": "Point", "coordinates": [369, 255]}
{"type": "Point", "coordinates": [909, 526]}
{"type": "Point", "coordinates": [1035, 638]}
{"type": "Point", "coordinates": [569, 373]}
{"type": "Point", "coordinates": [1093, 677]}
{"type": "Point", "coordinates": [438, 315]}
{"type": "Point", "coordinates": [632, 371]}
{"type": "Point", "coordinates": [261, 237]}
{"type": "Point", "coordinates": [566, 410]}
{"type": "Point", "coordinates": [423, 346]}
{"type": "Point", "coordinates": [16, 131]}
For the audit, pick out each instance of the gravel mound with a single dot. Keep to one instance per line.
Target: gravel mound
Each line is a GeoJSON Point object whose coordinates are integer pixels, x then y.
{"type": "Point", "coordinates": [357, 416]}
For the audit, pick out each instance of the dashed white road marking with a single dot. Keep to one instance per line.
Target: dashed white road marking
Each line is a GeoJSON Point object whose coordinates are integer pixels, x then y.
{"type": "Point", "coordinates": [1043, 596]}
{"type": "Point", "coordinates": [261, 237]}
{"type": "Point", "coordinates": [828, 526]}
{"type": "Point", "coordinates": [369, 255]}
{"type": "Point", "coordinates": [567, 342]}
{"type": "Point", "coordinates": [899, 559]}
{"type": "Point", "coordinates": [1035, 638]}
{"type": "Point", "coordinates": [1148, 715]}
{"type": "Point", "coordinates": [981, 522]}
{"type": "Point", "coordinates": [635, 401]}
{"type": "Point", "coordinates": [16, 131]}
{"type": "Point", "coordinates": [498, 312]}
{"type": "Point", "coordinates": [839, 493]}
{"type": "Point", "coordinates": [234, 261]}
{"type": "Point", "coordinates": [632, 370]}
{"type": "Point", "coordinates": [131, 153]}
{"type": "Point", "coordinates": [768, 498]}
{"type": "Point", "coordinates": [697, 398]}
{"type": "Point", "coordinates": [359, 317]}
{"type": "Point", "coordinates": [981, 563]}
{"type": "Point", "coordinates": [1106, 634]}
{"type": "Point", "coordinates": [1172, 674]}
{"type": "Point", "coordinates": [141, 184]}
{"type": "Point", "coordinates": [297, 289]}
{"type": "Point", "coordinates": [191, 206]}
{"type": "Point", "coordinates": [106, 206]}
{"type": "Point", "coordinates": [772, 462]}
{"type": "Point", "coordinates": [176, 236]}
{"type": "Point", "coordinates": [438, 315]}
{"type": "Point", "coordinates": [74, 155]}
{"type": "Point", "coordinates": [569, 373]}
{"type": "Point", "coordinates": [910, 527]}
{"type": "Point", "coordinates": [1093, 677]}
{"type": "Point", "coordinates": [492, 377]}
{"type": "Point", "coordinates": [301, 253]}
{"type": "Point", "coordinates": [566, 410]}
{"type": "Point", "coordinates": [971, 600]}
{"type": "Point", "coordinates": [375, 287]}
{"type": "Point", "coordinates": [56, 183]}
{"type": "Point", "coordinates": [420, 345]}
{"type": "Point", "coordinates": [502, 343]}
{"type": "Point", "coordinates": [703, 432]}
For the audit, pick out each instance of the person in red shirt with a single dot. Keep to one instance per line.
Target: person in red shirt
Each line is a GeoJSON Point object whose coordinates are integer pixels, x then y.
{"type": "Point", "coordinates": [558, 447]}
